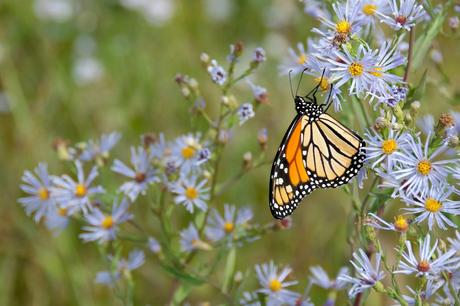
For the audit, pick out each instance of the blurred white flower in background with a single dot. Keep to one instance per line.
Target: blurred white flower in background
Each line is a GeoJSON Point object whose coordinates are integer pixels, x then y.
{"type": "Point", "coordinates": [157, 12]}
{"type": "Point", "coordinates": [56, 10]}
{"type": "Point", "coordinates": [87, 70]}
{"type": "Point", "coordinates": [218, 10]}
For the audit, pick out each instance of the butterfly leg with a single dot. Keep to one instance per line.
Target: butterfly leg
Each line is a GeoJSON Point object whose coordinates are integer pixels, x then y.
{"type": "Point", "coordinates": [329, 100]}
{"type": "Point", "coordinates": [315, 89]}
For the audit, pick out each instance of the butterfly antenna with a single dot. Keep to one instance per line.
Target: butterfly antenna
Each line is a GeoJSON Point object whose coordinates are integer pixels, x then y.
{"type": "Point", "coordinates": [329, 100]}
{"type": "Point", "coordinates": [290, 83]}
{"type": "Point", "coordinates": [300, 80]}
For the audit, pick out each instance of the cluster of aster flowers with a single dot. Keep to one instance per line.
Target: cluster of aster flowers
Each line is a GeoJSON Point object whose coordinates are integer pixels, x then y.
{"type": "Point", "coordinates": [158, 176]}
{"type": "Point", "coordinates": [413, 161]}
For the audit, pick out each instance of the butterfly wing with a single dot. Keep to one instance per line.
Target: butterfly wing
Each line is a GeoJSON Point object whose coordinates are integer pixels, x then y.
{"type": "Point", "coordinates": [334, 153]}
{"type": "Point", "coordinates": [289, 179]}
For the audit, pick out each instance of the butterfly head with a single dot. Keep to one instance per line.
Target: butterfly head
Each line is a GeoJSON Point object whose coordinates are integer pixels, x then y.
{"type": "Point", "coordinates": [305, 106]}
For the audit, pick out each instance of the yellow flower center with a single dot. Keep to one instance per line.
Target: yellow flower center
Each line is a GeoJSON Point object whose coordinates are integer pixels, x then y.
{"type": "Point", "coordinates": [191, 193]}
{"type": "Point", "coordinates": [356, 69]}
{"type": "Point", "coordinates": [343, 27]}
{"type": "Point", "coordinates": [302, 59]}
{"type": "Point", "coordinates": [274, 285]}
{"type": "Point", "coordinates": [369, 9]}
{"type": "Point", "coordinates": [432, 205]}
{"type": "Point", "coordinates": [62, 211]}
{"type": "Point", "coordinates": [107, 222]}
{"type": "Point", "coordinates": [229, 227]}
{"type": "Point", "coordinates": [423, 266]}
{"type": "Point", "coordinates": [424, 167]}
{"type": "Point", "coordinates": [389, 146]}
{"type": "Point", "coordinates": [43, 194]}
{"type": "Point", "coordinates": [401, 223]}
{"type": "Point", "coordinates": [323, 83]}
{"type": "Point", "coordinates": [80, 190]}
{"type": "Point", "coordinates": [377, 72]}
{"type": "Point", "coordinates": [188, 152]}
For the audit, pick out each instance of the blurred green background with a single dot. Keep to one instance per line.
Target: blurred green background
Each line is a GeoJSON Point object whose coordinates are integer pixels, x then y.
{"type": "Point", "coordinates": [101, 66]}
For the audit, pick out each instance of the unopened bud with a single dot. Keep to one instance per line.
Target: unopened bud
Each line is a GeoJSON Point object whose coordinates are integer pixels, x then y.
{"type": "Point", "coordinates": [262, 137]}
{"type": "Point", "coordinates": [446, 121]}
{"type": "Point", "coordinates": [193, 83]}
{"type": "Point", "coordinates": [148, 139]}
{"type": "Point", "coordinates": [454, 22]}
{"type": "Point", "coordinates": [230, 102]}
{"type": "Point", "coordinates": [283, 224]}
{"type": "Point", "coordinates": [223, 137]}
{"type": "Point", "coordinates": [238, 277]}
{"type": "Point", "coordinates": [205, 59]}
{"type": "Point", "coordinates": [185, 92]}
{"type": "Point", "coordinates": [381, 123]}
{"type": "Point", "coordinates": [247, 160]}
{"type": "Point", "coordinates": [415, 106]}
{"type": "Point", "coordinates": [453, 141]}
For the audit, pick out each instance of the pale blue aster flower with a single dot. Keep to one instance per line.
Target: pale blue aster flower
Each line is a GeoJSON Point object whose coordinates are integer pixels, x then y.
{"type": "Point", "coordinates": [297, 59]}
{"type": "Point", "coordinates": [359, 68]}
{"type": "Point", "coordinates": [434, 206]}
{"type": "Point", "coordinates": [316, 9]}
{"type": "Point", "coordinates": [250, 299]}
{"type": "Point", "coordinates": [185, 152]}
{"type": "Point", "coordinates": [455, 242]}
{"type": "Point", "coordinates": [417, 169]}
{"type": "Point", "coordinates": [258, 55]}
{"type": "Point", "coordinates": [381, 150]}
{"type": "Point", "coordinates": [142, 174]}
{"type": "Point", "coordinates": [191, 193]}
{"type": "Point", "coordinates": [369, 8]}
{"type": "Point", "coordinates": [396, 94]}
{"type": "Point", "coordinates": [324, 78]}
{"type": "Point", "coordinates": [104, 227]}
{"type": "Point", "coordinates": [217, 73]}
{"type": "Point", "coordinates": [431, 287]}
{"type": "Point", "coordinates": [349, 18]}
{"type": "Point", "coordinates": [57, 219]}
{"type": "Point", "coordinates": [320, 278]}
{"type": "Point", "coordinates": [388, 58]}
{"type": "Point", "coordinates": [259, 93]}
{"type": "Point", "coordinates": [76, 195]}
{"type": "Point", "coordinates": [390, 182]}
{"type": "Point", "coordinates": [367, 275]}
{"type": "Point", "coordinates": [245, 112]}
{"type": "Point", "coordinates": [404, 14]}
{"type": "Point", "coordinates": [100, 149]}
{"type": "Point", "coordinates": [445, 297]}
{"type": "Point", "coordinates": [158, 150]}
{"type": "Point", "coordinates": [426, 124]}
{"type": "Point", "coordinates": [154, 245]}
{"type": "Point", "coordinates": [38, 187]}
{"type": "Point", "coordinates": [229, 225]}
{"type": "Point", "coordinates": [274, 285]}
{"type": "Point", "coordinates": [136, 258]}
{"type": "Point", "coordinates": [401, 224]}
{"type": "Point", "coordinates": [425, 265]}
{"type": "Point", "coordinates": [190, 240]}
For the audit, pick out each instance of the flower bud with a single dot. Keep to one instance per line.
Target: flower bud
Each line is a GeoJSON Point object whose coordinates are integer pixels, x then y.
{"type": "Point", "coordinates": [205, 59]}
{"type": "Point", "coordinates": [415, 106]}
{"type": "Point", "coordinates": [453, 141]}
{"type": "Point", "coordinates": [61, 146]}
{"type": "Point", "coordinates": [454, 23]}
{"type": "Point", "coordinates": [148, 139]}
{"type": "Point", "coordinates": [223, 137]}
{"type": "Point", "coordinates": [247, 160]}
{"type": "Point", "coordinates": [381, 123]}
{"type": "Point", "coordinates": [185, 92]}
{"type": "Point", "coordinates": [262, 137]}
{"type": "Point", "coordinates": [446, 121]}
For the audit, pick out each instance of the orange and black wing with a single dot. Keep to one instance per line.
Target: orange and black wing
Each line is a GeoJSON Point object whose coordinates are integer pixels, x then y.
{"type": "Point", "coordinates": [334, 154]}
{"type": "Point", "coordinates": [289, 180]}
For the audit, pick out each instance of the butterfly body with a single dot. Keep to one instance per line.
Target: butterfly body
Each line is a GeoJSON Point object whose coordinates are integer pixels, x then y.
{"type": "Point", "coordinates": [317, 151]}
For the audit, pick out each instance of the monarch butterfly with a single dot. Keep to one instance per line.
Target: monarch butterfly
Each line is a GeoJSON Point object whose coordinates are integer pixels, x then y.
{"type": "Point", "coordinates": [317, 151]}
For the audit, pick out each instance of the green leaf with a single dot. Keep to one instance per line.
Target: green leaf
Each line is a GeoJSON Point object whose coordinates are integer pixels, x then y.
{"type": "Point", "coordinates": [423, 43]}
{"type": "Point", "coordinates": [417, 92]}
{"type": "Point", "coordinates": [183, 276]}
{"type": "Point", "coordinates": [229, 271]}
{"type": "Point", "coordinates": [181, 294]}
